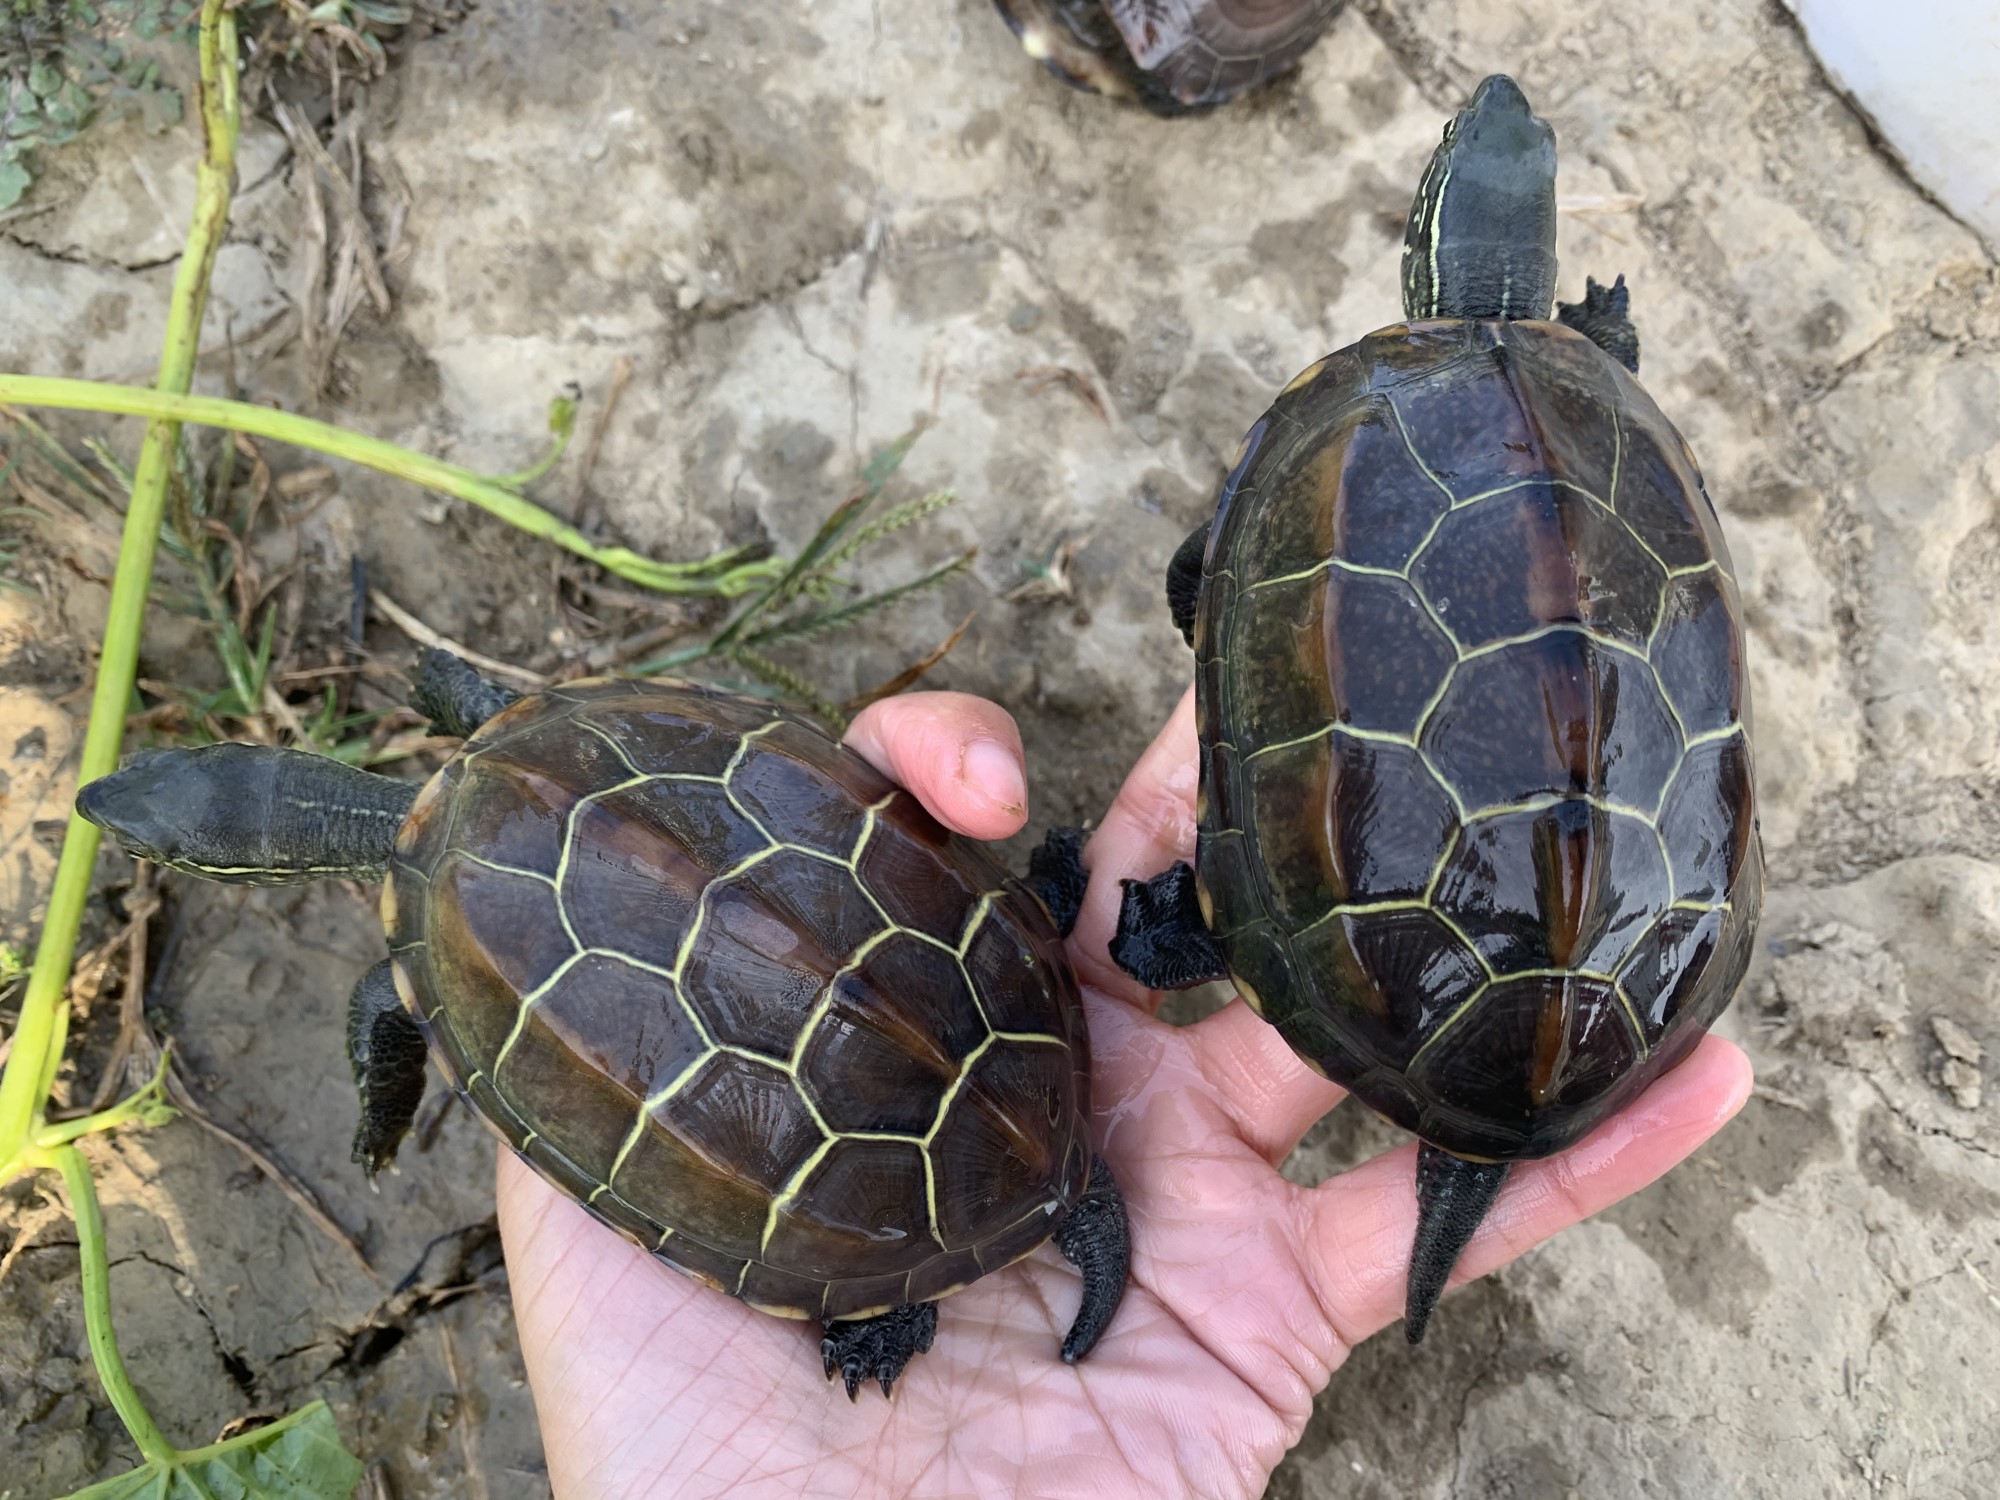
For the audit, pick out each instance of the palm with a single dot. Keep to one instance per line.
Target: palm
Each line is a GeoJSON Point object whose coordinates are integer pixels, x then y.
{"type": "Point", "coordinates": [1247, 1291]}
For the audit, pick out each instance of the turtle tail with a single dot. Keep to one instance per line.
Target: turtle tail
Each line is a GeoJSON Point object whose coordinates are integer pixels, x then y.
{"type": "Point", "coordinates": [1453, 1195]}
{"type": "Point", "coordinates": [251, 814]}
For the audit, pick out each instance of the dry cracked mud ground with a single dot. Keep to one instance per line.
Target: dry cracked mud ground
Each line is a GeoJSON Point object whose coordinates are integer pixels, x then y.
{"type": "Point", "coordinates": [804, 226]}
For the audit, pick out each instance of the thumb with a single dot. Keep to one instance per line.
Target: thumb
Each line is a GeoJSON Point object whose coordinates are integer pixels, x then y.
{"type": "Point", "coordinates": [958, 755]}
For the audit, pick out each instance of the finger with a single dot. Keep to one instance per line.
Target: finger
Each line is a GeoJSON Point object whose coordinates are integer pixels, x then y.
{"type": "Point", "coordinates": [959, 755]}
{"type": "Point", "coordinates": [1149, 827]}
{"type": "Point", "coordinates": [1267, 1091]}
{"type": "Point", "coordinates": [1358, 1228]}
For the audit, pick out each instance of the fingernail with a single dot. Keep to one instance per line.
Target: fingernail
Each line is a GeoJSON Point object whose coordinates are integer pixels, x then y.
{"type": "Point", "coordinates": [990, 769]}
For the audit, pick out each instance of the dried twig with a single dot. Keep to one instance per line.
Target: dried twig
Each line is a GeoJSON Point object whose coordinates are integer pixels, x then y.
{"type": "Point", "coordinates": [395, 249]}
{"type": "Point", "coordinates": [139, 1051]}
{"type": "Point", "coordinates": [614, 654]}
{"type": "Point", "coordinates": [423, 635]}
{"type": "Point", "coordinates": [142, 903]}
{"type": "Point", "coordinates": [1599, 203]}
{"type": "Point", "coordinates": [1055, 579]}
{"type": "Point", "coordinates": [354, 256]}
{"type": "Point", "coordinates": [1041, 377]}
{"type": "Point", "coordinates": [621, 376]}
{"type": "Point", "coordinates": [311, 252]}
{"type": "Point", "coordinates": [462, 1420]}
{"type": "Point", "coordinates": [303, 1198]}
{"type": "Point", "coordinates": [341, 263]}
{"type": "Point", "coordinates": [912, 673]}
{"type": "Point", "coordinates": [1776, 1096]}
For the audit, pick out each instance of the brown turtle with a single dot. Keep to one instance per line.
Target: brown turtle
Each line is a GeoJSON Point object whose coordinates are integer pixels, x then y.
{"type": "Point", "coordinates": [1477, 828]}
{"type": "Point", "coordinates": [709, 973]}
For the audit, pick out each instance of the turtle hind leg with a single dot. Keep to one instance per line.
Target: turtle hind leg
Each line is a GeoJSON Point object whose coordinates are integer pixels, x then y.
{"type": "Point", "coordinates": [879, 1347]}
{"type": "Point", "coordinates": [1184, 579]}
{"type": "Point", "coordinates": [456, 699]}
{"type": "Point", "coordinates": [1096, 1238]}
{"type": "Point", "coordinates": [1057, 875]}
{"type": "Point", "coordinates": [387, 1051]}
{"type": "Point", "coordinates": [1604, 316]}
{"type": "Point", "coordinates": [1453, 1195]}
{"type": "Point", "coordinates": [1162, 940]}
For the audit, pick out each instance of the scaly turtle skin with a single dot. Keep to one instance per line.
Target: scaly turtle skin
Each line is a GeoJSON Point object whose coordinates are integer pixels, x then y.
{"type": "Point", "coordinates": [1175, 57]}
{"type": "Point", "coordinates": [1476, 818]}
{"type": "Point", "coordinates": [710, 974]}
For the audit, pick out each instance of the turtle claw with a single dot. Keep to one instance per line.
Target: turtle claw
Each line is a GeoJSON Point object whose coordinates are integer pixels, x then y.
{"type": "Point", "coordinates": [877, 1347]}
{"type": "Point", "coordinates": [1604, 316]}
{"type": "Point", "coordinates": [1162, 940]}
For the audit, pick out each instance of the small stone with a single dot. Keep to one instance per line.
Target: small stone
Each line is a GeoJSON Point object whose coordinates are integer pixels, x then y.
{"type": "Point", "coordinates": [1962, 1080]}
{"type": "Point", "coordinates": [56, 1374]}
{"type": "Point", "coordinates": [1956, 1040]}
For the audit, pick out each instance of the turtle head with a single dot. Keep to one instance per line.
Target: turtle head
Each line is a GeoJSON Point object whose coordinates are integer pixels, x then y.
{"type": "Point", "coordinates": [1482, 236]}
{"type": "Point", "coordinates": [250, 814]}
{"type": "Point", "coordinates": [156, 807]}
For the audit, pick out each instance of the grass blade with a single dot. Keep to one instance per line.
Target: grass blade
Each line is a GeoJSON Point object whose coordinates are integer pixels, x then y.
{"type": "Point", "coordinates": [818, 621]}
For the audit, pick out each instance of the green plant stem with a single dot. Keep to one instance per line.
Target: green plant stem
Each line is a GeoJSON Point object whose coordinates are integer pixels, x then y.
{"type": "Point", "coordinates": [21, 1095]}
{"type": "Point", "coordinates": [104, 1354]}
{"type": "Point", "coordinates": [562, 422]}
{"type": "Point", "coordinates": [147, 1105]}
{"type": "Point", "coordinates": [708, 577]}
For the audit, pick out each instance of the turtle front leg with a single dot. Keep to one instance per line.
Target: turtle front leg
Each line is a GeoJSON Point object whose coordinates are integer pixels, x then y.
{"type": "Point", "coordinates": [456, 699]}
{"type": "Point", "coordinates": [1184, 579]}
{"type": "Point", "coordinates": [1096, 1238]}
{"type": "Point", "coordinates": [1604, 317]}
{"type": "Point", "coordinates": [387, 1051]}
{"type": "Point", "coordinates": [879, 1347]}
{"type": "Point", "coordinates": [1162, 940]}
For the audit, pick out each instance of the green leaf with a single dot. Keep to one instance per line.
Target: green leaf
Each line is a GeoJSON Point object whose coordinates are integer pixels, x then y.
{"type": "Point", "coordinates": [907, 514]}
{"type": "Point", "coordinates": [883, 466]}
{"type": "Point", "coordinates": [24, 117]}
{"type": "Point", "coordinates": [14, 181]}
{"type": "Point", "coordinates": [298, 1458]}
{"type": "Point", "coordinates": [159, 108]}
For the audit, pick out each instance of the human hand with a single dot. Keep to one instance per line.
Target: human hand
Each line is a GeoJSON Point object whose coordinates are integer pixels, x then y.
{"type": "Point", "coordinates": [1247, 1291]}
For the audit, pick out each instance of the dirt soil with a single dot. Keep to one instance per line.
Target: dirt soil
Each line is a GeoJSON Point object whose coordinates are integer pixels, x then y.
{"type": "Point", "coordinates": [805, 227]}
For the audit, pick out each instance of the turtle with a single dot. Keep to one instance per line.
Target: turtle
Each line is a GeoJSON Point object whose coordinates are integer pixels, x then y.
{"type": "Point", "coordinates": [1476, 812]}
{"type": "Point", "coordinates": [709, 973]}
{"type": "Point", "coordinates": [1175, 57]}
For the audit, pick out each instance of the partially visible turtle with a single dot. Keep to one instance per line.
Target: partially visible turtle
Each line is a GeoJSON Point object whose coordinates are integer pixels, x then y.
{"type": "Point", "coordinates": [1477, 827]}
{"type": "Point", "coordinates": [711, 975]}
{"type": "Point", "coordinates": [1173, 56]}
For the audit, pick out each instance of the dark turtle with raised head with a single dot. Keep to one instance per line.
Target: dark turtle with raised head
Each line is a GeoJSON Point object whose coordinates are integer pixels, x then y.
{"type": "Point", "coordinates": [710, 974]}
{"type": "Point", "coordinates": [1175, 57]}
{"type": "Point", "coordinates": [1477, 825]}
